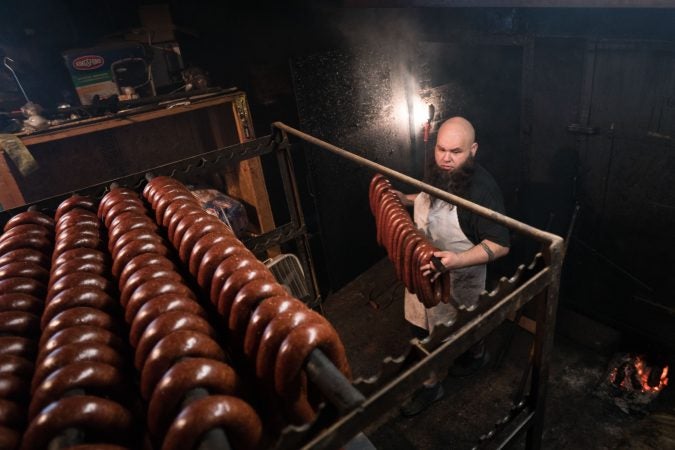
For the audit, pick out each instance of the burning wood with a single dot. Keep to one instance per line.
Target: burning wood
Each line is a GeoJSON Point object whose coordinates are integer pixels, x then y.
{"type": "Point", "coordinates": [633, 381]}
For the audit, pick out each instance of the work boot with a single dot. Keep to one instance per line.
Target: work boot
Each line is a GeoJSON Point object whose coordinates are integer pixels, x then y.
{"type": "Point", "coordinates": [422, 399]}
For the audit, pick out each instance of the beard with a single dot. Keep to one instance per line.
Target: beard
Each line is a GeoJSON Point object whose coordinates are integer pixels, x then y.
{"type": "Point", "coordinates": [456, 181]}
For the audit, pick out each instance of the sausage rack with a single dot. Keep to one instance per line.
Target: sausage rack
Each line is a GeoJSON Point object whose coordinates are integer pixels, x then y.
{"type": "Point", "coordinates": [353, 406]}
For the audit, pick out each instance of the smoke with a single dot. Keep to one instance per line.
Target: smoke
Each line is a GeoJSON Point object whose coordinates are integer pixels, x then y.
{"type": "Point", "coordinates": [386, 47]}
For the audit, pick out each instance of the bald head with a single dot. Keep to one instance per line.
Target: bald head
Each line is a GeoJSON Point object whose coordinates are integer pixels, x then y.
{"type": "Point", "coordinates": [455, 144]}
{"type": "Point", "coordinates": [459, 126]}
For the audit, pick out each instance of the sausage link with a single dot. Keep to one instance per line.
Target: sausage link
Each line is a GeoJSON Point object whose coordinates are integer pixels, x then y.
{"type": "Point", "coordinates": [81, 254]}
{"type": "Point", "coordinates": [238, 279]}
{"type": "Point", "coordinates": [172, 222]}
{"type": "Point", "coordinates": [273, 336]}
{"type": "Point", "coordinates": [240, 422]}
{"type": "Point", "coordinates": [30, 217]}
{"type": "Point", "coordinates": [114, 196]}
{"type": "Point", "coordinates": [266, 311]}
{"type": "Point", "coordinates": [133, 249]}
{"type": "Point", "coordinates": [77, 265]}
{"type": "Point", "coordinates": [21, 302]}
{"type": "Point", "coordinates": [79, 279]}
{"type": "Point", "coordinates": [147, 273]}
{"type": "Point", "coordinates": [185, 375]}
{"type": "Point", "coordinates": [73, 353]}
{"type": "Point", "coordinates": [79, 334]}
{"type": "Point", "coordinates": [166, 199]}
{"type": "Point", "coordinates": [104, 418]}
{"type": "Point", "coordinates": [143, 260]}
{"type": "Point", "coordinates": [25, 255]}
{"type": "Point", "coordinates": [291, 357]}
{"type": "Point", "coordinates": [39, 243]}
{"type": "Point", "coordinates": [139, 234]}
{"type": "Point", "coordinates": [78, 296]}
{"type": "Point", "coordinates": [76, 219]}
{"type": "Point", "coordinates": [204, 244]}
{"type": "Point", "coordinates": [160, 305]}
{"type": "Point", "coordinates": [122, 207]}
{"type": "Point", "coordinates": [374, 182]}
{"type": "Point", "coordinates": [90, 376]}
{"type": "Point", "coordinates": [112, 208]}
{"type": "Point", "coordinates": [78, 241]}
{"type": "Point", "coordinates": [17, 346]}
{"type": "Point", "coordinates": [24, 269]}
{"type": "Point", "coordinates": [128, 218]}
{"type": "Point", "coordinates": [151, 289]}
{"type": "Point", "coordinates": [166, 324]}
{"type": "Point", "coordinates": [19, 323]}
{"type": "Point", "coordinates": [171, 348]}
{"type": "Point", "coordinates": [246, 302]}
{"type": "Point", "coordinates": [77, 316]}
{"type": "Point", "coordinates": [194, 220]}
{"type": "Point", "coordinates": [23, 285]}
{"type": "Point", "coordinates": [75, 202]}
{"type": "Point", "coordinates": [26, 230]}
{"type": "Point", "coordinates": [93, 230]}
{"type": "Point", "coordinates": [13, 387]}
{"type": "Point", "coordinates": [16, 365]}
{"type": "Point", "coordinates": [192, 235]}
{"type": "Point", "coordinates": [134, 223]}
{"type": "Point", "coordinates": [209, 275]}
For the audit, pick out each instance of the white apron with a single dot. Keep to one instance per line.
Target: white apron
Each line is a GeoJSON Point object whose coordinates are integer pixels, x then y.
{"type": "Point", "coordinates": [441, 226]}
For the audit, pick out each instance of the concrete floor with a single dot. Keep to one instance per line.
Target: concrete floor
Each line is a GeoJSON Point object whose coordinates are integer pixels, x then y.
{"type": "Point", "coordinates": [368, 313]}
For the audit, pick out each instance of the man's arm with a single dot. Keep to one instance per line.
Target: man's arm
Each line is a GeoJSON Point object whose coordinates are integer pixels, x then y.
{"type": "Point", "coordinates": [486, 251]}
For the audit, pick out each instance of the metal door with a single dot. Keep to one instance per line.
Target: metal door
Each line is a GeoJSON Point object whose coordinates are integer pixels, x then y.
{"type": "Point", "coordinates": [625, 242]}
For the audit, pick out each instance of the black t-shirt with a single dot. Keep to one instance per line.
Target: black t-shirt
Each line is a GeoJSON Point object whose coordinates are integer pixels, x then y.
{"type": "Point", "coordinates": [484, 191]}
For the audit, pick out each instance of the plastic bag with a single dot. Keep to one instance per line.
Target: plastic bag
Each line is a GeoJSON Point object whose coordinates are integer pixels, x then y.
{"type": "Point", "coordinates": [227, 209]}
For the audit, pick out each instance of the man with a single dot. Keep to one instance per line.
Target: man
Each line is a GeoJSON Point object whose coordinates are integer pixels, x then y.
{"type": "Point", "coordinates": [467, 241]}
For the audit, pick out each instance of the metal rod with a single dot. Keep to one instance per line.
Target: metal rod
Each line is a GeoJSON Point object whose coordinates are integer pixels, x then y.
{"type": "Point", "coordinates": [290, 185]}
{"type": "Point", "coordinates": [332, 383]}
{"type": "Point", "coordinates": [5, 60]}
{"type": "Point", "coordinates": [459, 201]}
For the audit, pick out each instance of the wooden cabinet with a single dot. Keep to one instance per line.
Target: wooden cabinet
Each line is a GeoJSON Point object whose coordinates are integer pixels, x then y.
{"type": "Point", "coordinates": [95, 150]}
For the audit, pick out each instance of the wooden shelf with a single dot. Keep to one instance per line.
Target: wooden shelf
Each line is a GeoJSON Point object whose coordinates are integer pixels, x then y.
{"type": "Point", "coordinates": [92, 151]}
{"type": "Point", "coordinates": [125, 118]}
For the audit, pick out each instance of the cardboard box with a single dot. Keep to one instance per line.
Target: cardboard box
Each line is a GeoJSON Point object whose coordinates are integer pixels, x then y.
{"type": "Point", "coordinates": [91, 70]}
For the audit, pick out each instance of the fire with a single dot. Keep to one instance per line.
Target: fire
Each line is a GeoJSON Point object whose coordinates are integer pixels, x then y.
{"type": "Point", "coordinates": [644, 373]}
{"type": "Point", "coordinates": [639, 376]}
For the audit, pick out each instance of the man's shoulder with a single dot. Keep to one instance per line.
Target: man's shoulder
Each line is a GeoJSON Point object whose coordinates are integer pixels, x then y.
{"type": "Point", "coordinates": [483, 183]}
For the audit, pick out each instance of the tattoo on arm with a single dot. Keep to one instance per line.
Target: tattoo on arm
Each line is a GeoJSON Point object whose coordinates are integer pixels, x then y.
{"type": "Point", "coordinates": [490, 253]}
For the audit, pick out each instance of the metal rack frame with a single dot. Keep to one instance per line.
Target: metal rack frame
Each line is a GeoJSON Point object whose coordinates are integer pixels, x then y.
{"type": "Point", "coordinates": [400, 376]}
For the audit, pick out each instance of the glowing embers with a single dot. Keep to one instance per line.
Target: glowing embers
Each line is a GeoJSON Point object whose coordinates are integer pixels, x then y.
{"type": "Point", "coordinates": [633, 381]}
{"type": "Point", "coordinates": [636, 374]}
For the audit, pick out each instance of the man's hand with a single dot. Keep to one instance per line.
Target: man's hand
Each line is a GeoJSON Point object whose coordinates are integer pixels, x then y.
{"type": "Point", "coordinates": [474, 256]}
{"type": "Point", "coordinates": [406, 199]}
{"type": "Point", "coordinates": [449, 261]}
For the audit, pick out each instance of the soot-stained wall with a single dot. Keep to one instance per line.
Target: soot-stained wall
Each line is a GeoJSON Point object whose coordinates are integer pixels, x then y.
{"type": "Point", "coordinates": [359, 100]}
{"type": "Point", "coordinates": [571, 106]}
